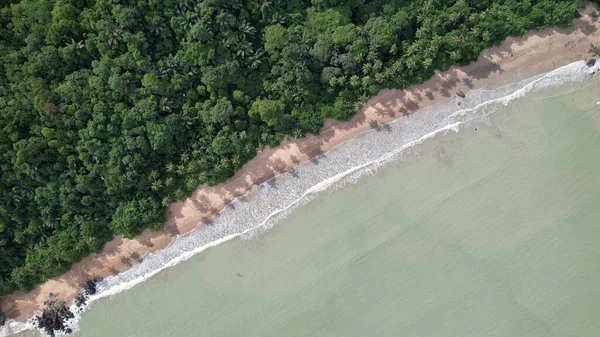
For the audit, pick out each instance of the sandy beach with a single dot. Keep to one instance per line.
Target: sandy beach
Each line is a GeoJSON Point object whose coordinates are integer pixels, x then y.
{"type": "Point", "coordinates": [513, 60]}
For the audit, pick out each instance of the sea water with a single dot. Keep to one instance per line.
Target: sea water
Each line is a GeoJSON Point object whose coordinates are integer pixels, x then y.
{"type": "Point", "coordinates": [479, 219]}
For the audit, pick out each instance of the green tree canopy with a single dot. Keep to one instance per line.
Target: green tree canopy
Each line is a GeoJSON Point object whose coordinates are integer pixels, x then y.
{"type": "Point", "coordinates": [111, 110]}
{"type": "Point", "coordinates": [270, 112]}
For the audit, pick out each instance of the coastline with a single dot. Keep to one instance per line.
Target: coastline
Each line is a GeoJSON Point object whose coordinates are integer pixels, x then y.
{"type": "Point", "coordinates": [513, 60]}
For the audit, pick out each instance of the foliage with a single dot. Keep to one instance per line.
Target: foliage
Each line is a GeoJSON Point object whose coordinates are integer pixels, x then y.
{"type": "Point", "coordinates": [113, 109]}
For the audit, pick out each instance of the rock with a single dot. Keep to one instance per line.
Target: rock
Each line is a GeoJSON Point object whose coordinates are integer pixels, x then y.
{"type": "Point", "coordinates": [54, 316]}
{"type": "Point", "coordinates": [80, 300]}
{"type": "Point", "coordinates": [90, 287]}
{"type": "Point", "coordinates": [460, 94]}
{"type": "Point", "coordinates": [2, 318]}
{"type": "Point", "coordinates": [591, 62]}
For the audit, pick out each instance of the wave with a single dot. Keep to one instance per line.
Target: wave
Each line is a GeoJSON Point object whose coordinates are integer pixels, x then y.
{"type": "Point", "coordinates": [265, 204]}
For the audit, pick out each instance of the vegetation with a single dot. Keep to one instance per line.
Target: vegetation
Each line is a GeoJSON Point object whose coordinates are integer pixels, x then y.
{"type": "Point", "coordinates": [111, 110]}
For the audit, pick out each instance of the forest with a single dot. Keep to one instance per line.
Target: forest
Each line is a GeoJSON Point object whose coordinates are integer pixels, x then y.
{"type": "Point", "coordinates": [111, 110]}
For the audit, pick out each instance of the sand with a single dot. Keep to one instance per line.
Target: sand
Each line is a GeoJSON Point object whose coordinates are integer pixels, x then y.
{"type": "Point", "coordinates": [514, 59]}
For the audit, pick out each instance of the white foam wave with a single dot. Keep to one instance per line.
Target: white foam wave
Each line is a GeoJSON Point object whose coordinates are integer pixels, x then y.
{"type": "Point", "coordinates": [267, 203]}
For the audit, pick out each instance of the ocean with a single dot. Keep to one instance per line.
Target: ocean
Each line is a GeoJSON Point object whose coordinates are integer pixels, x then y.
{"type": "Point", "coordinates": [471, 219]}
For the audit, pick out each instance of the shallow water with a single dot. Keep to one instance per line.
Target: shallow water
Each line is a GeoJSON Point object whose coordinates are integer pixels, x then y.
{"type": "Point", "coordinates": [491, 231]}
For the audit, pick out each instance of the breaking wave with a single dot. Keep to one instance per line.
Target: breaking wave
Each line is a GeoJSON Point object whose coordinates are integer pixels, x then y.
{"type": "Point", "coordinates": [271, 201]}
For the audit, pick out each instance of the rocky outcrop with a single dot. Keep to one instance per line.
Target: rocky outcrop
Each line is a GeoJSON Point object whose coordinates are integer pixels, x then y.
{"type": "Point", "coordinates": [54, 317]}
{"type": "Point", "coordinates": [2, 318]}
{"type": "Point", "coordinates": [56, 314]}
{"type": "Point", "coordinates": [90, 287]}
{"type": "Point", "coordinates": [80, 300]}
{"type": "Point", "coordinates": [590, 62]}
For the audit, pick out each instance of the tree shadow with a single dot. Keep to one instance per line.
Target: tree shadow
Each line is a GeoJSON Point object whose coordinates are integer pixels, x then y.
{"type": "Point", "coordinates": [586, 27]}
{"type": "Point", "coordinates": [136, 257]}
{"type": "Point", "coordinates": [429, 94]}
{"type": "Point", "coordinates": [411, 105]}
{"type": "Point", "coordinates": [444, 92]}
{"type": "Point", "coordinates": [294, 160]}
{"type": "Point", "coordinates": [375, 125]}
{"type": "Point", "coordinates": [11, 310]}
{"type": "Point", "coordinates": [316, 159]}
{"type": "Point", "coordinates": [468, 82]}
{"type": "Point", "coordinates": [171, 229]}
{"type": "Point", "coordinates": [417, 95]}
{"type": "Point", "coordinates": [448, 83]}
{"type": "Point", "coordinates": [294, 173]}
{"type": "Point", "coordinates": [276, 165]}
{"type": "Point", "coordinates": [126, 261]}
{"type": "Point", "coordinates": [201, 203]}
{"type": "Point", "coordinates": [145, 241]}
{"type": "Point", "coordinates": [481, 69]}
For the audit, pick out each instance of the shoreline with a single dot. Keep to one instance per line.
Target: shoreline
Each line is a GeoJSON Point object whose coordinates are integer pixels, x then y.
{"type": "Point", "coordinates": [515, 59]}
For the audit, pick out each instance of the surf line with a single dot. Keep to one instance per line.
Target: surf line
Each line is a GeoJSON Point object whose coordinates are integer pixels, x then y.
{"type": "Point", "coordinates": [113, 289]}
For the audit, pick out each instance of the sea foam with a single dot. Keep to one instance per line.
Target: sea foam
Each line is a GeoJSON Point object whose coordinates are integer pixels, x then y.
{"type": "Point", "coordinates": [267, 203]}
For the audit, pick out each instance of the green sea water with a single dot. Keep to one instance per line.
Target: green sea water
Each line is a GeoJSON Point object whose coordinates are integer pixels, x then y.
{"type": "Point", "coordinates": [491, 231]}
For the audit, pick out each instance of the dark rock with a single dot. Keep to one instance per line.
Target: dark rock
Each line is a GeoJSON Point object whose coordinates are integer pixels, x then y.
{"type": "Point", "coordinates": [591, 62]}
{"type": "Point", "coordinates": [2, 318]}
{"type": "Point", "coordinates": [460, 94]}
{"type": "Point", "coordinates": [54, 316]}
{"type": "Point", "coordinates": [90, 287]}
{"type": "Point", "coordinates": [80, 300]}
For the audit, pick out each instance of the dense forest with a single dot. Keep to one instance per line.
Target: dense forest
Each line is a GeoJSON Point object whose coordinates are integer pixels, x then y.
{"type": "Point", "coordinates": [111, 110]}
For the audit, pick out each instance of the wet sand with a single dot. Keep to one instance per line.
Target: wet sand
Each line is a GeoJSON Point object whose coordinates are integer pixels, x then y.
{"type": "Point", "coordinates": [513, 60]}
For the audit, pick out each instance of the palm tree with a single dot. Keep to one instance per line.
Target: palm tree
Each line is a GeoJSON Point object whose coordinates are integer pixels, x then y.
{"type": "Point", "coordinates": [264, 8]}
{"type": "Point", "coordinates": [278, 18]}
{"type": "Point", "coordinates": [185, 157]}
{"type": "Point", "coordinates": [427, 62]}
{"type": "Point", "coordinates": [153, 175]}
{"type": "Point", "coordinates": [244, 49]}
{"type": "Point", "coordinates": [454, 55]}
{"type": "Point", "coordinates": [78, 45]}
{"type": "Point", "coordinates": [255, 63]}
{"type": "Point", "coordinates": [180, 170]}
{"type": "Point", "coordinates": [246, 29]}
{"type": "Point", "coordinates": [225, 20]}
{"type": "Point", "coordinates": [156, 185]}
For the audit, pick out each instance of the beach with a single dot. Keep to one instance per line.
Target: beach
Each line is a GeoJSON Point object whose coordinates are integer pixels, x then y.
{"type": "Point", "coordinates": [486, 230]}
{"type": "Point", "coordinates": [515, 59]}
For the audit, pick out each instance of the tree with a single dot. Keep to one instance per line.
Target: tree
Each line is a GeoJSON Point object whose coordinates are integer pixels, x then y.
{"type": "Point", "coordinates": [131, 216]}
{"type": "Point", "coordinates": [222, 144]}
{"type": "Point", "coordinates": [110, 110]}
{"type": "Point", "coordinates": [269, 111]}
